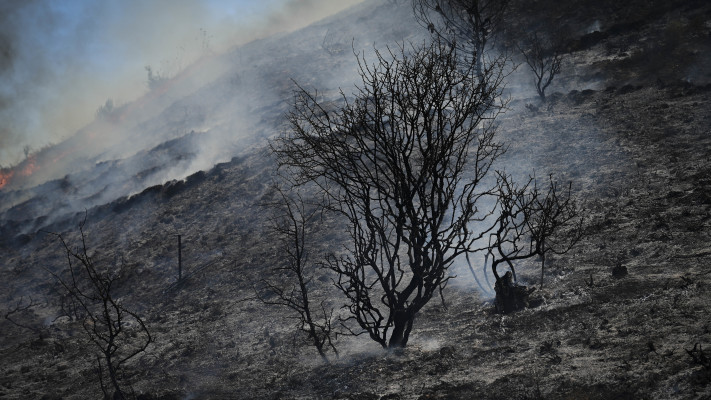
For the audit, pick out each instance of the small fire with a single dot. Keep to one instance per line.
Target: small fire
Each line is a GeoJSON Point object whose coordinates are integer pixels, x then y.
{"type": "Point", "coordinates": [44, 159]}
{"type": "Point", "coordinates": [25, 169]}
{"type": "Point", "coordinates": [30, 166]}
{"type": "Point", "coordinates": [5, 177]}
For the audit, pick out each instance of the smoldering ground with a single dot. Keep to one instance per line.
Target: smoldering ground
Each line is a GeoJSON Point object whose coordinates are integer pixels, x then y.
{"type": "Point", "coordinates": [210, 87]}
{"type": "Point", "coordinates": [638, 153]}
{"type": "Point", "coordinates": [60, 61]}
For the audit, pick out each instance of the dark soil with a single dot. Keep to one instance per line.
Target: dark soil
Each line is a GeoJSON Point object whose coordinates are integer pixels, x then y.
{"type": "Point", "coordinates": [637, 149]}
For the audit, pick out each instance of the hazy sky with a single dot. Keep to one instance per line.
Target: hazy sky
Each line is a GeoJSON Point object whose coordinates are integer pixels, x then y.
{"type": "Point", "coordinates": [60, 60]}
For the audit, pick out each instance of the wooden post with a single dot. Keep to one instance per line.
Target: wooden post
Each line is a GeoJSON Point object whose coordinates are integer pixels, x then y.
{"type": "Point", "coordinates": [180, 259]}
{"type": "Point", "coordinates": [543, 259]}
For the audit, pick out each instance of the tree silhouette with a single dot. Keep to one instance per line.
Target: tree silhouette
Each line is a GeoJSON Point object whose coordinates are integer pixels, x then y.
{"type": "Point", "coordinates": [295, 291]}
{"type": "Point", "coordinates": [404, 163]}
{"type": "Point", "coordinates": [467, 24]}
{"type": "Point", "coordinates": [118, 333]}
{"type": "Point", "coordinates": [543, 56]}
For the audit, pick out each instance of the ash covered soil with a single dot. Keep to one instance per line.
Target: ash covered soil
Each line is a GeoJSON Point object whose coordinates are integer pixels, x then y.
{"type": "Point", "coordinates": [636, 147]}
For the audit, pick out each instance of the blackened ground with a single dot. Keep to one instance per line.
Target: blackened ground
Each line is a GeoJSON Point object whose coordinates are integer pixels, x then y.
{"type": "Point", "coordinates": [638, 157]}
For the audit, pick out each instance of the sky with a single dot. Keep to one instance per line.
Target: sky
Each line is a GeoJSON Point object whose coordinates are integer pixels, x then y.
{"type": "Point", "coordinates": [60, 60]}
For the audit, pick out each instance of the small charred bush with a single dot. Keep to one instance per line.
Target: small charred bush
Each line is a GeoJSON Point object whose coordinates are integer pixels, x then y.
{"type": "Point", "coordinates": [195, 179]}
{"type": "Point", "coordinates": [619, 271]}
{"type": "Point", "coordinates": [173, 188]}
{"type": "Point", "coordinates": [543, 55]}
{"type": "Point", "coordinates": [118, 334]}
{"type": "Point", "coordinates": [293, 219]}
{"type": "Point", "coordinates": [699, 357]}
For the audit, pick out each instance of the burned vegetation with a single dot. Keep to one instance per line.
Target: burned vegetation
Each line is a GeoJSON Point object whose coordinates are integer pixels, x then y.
{"type": "Point", "coordinates": [408, 163]}
{"type": "Point", "coordinates": [440, 228]}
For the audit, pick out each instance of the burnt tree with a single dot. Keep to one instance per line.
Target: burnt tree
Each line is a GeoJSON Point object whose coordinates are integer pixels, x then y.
{"type": "Point", "coordinates": [543, 56]}
{"type": "Point", "coordinates": [531, 221]}
{"type": "Point", "coordinates": [293, 219]}
{"type": "Point", "coordinates": [467, 24]}
{"type": "Point", "coordinates": [557, 221]}
{"type": "Point", "coordinates": [403, 162]}
{"type": "Point", "coordinates": [118, 333]}
{"type": "Point", "coordinates": [23, 316]}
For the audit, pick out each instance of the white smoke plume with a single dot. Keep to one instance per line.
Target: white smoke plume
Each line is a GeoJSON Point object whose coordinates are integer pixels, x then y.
{"type": "Point", "coordinates": [61, 60]}
{"type": "Point", "coordinates": [198, 115]}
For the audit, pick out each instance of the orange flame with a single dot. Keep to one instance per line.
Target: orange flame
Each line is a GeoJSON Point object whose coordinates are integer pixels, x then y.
{"type": "Point", "coordinates": [26, 168]}
{"type": "Point", "coordinates": [5, 177]}
{"type": "Point", "coordinates": [30, 166]}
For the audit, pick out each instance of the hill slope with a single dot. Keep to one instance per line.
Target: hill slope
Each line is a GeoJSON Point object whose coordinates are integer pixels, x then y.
{"type": "Point", "coordinates": [635, 145]}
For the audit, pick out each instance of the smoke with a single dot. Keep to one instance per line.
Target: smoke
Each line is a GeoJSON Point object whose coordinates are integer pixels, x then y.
{"type": "Point", "coordinates": [219, 107]}
{"type": "Point", "coordinates": [61, 60]}
{"type": "Point", "coordinates": [31, 71]}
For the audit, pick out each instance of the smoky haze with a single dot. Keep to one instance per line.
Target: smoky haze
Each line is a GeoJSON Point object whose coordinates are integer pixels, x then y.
{"type": "Point", "coordinates": [61, 60]}
{"type": "Point", "coordinates": [220, 99]}
{"type": "Point", "coordinates": [222, 105]}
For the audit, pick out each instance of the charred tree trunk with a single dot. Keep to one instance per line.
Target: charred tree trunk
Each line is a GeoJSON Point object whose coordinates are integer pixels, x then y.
{"type": "Point", "coordinates": [529, 216]}
{"type": "Point", "coordinates": [510, 296]}
{"type": "Point", "coordinates": [180, 259]}
{"type": "Point", "coordinates": [118, 393]}
{"type": "Point", "coordinates": [401, 329]}
{"type": "Point", "coordinates": [401, 183]}
{"type": "Point", "coordinates": [543, 259]}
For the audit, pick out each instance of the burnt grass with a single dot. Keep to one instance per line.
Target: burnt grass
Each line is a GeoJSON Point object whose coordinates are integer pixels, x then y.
{"type": "Point", "coordinates": [637, 149]}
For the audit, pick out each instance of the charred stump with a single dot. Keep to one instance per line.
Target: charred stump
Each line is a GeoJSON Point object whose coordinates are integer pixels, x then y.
{"type": "Point", "coordinates": [510, 296]}
{"type": "Point", "coordinates": [619, 271]}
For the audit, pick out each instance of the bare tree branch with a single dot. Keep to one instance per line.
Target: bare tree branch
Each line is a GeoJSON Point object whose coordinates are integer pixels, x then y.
{"type": "Point", "coordinates": [403, 161]}
{"type": "Point", "coordinates": [532, 221]}
{"type": "Point", "coordinates": [469, 25]}
{"type": "Point", "coordinates": [118, 333]}
{"type": "Point", "coordinates": [543, 57]}
{"type": "Point", "coordinates": [15, 314]}
{"type": "Point", "coordinates": [295, 217]}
